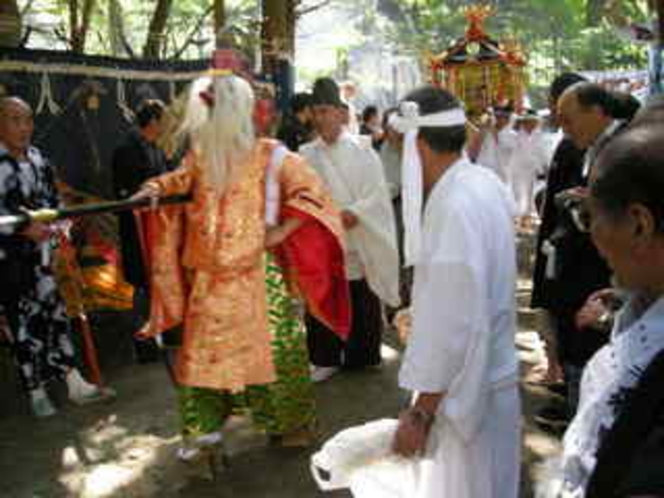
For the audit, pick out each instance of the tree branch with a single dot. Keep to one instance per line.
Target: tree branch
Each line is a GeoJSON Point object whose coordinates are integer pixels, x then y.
{"type": "Point", "coordinates": [195, 30]}
{"type": "Point", "coordinates": [158, 22]}
{"type": "Point", "coordinates": [27, 7]}
{"type": "Point", "coordinates": [313, 8]}
{"type": "Point", "coordinates": [26, 36]}
{"type": "Point", "coordinates": [61, 35]}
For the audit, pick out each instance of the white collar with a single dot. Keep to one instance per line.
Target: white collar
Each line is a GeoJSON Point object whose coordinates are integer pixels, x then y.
{"type": "Point", "coordinates": [601, 140]}
{"type": "Point", "coordinates": [32, 154]}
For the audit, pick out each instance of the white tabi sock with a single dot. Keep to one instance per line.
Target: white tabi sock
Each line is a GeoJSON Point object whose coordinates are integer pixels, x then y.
{"type": "Point", "coordinates": [79, 388]}
{"type": "Point", "coordinates": [41, 404]}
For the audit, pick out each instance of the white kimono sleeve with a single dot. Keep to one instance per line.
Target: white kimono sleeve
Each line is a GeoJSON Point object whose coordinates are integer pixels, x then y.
{"type": "Point", "coordinates": [370, 188]}
{"type": "Point", "coordinates": [448, 350]}
{"type": "Point", "coordinates": [375, 235]}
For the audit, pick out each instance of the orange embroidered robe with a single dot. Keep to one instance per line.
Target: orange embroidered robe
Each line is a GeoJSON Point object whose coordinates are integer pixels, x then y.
{"type": "Point", "coordinates": [217, 243]}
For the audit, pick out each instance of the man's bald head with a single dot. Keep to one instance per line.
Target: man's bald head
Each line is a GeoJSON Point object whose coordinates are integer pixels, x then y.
{"type": "Point", "coordinates": [10, 102]}
{"type": "Point", "coordinates": [585, 110]}
{"type": "Point", "coordinates": [583, 120]}
{"type": "Point", "coordinates": [16, 125]}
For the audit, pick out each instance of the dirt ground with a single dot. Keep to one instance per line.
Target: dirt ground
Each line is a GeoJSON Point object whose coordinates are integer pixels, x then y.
{"type": "Point", "coordinates": [125, 448]}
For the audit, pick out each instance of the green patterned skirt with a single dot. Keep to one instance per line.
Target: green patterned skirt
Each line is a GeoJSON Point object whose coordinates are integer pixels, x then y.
{"type": "Point", "coordinates": [282, 407]}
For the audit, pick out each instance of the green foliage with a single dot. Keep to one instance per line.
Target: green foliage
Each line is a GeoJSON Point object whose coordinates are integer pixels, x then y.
{"type": "Point", "coordinates": [554, 33]}
{"type": "Point", "coordinates": [188, 34]}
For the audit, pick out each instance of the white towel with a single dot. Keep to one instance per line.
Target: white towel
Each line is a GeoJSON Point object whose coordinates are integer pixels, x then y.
{"type": "Point", "coordinates": [360, 458]}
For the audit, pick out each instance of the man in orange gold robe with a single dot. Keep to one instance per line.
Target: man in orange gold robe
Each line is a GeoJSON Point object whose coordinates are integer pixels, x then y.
{"type": "Point", "coordinates": [208, 265]}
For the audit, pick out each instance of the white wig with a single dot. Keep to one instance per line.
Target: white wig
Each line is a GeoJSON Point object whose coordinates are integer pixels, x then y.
{"type": "Point", "coordinates": [220, 127]}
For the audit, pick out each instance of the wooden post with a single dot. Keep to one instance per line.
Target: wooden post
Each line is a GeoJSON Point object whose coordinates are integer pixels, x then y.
{"type": "Point", "coordinates": [277, 31]}
{"type": "Point", "coordinates": [90, 350]}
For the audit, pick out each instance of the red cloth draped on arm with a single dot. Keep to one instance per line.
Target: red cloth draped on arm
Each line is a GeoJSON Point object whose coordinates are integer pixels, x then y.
{"type": "Point", "coordinates": [313, 263]}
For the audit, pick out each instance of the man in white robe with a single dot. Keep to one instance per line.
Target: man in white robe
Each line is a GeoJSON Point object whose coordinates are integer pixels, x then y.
{"type": "Point", "coordinates": [353, 173]}
{"type": "Point", "coordinates": [529, 159]}
{"type": "Point", "coordinates": [498, 142]}
{"type": "Point", "coordinates": [460, 360]}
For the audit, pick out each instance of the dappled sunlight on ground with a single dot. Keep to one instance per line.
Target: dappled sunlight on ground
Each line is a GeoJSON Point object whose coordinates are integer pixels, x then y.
{"type": "Point", "coordinates": [111, 461]}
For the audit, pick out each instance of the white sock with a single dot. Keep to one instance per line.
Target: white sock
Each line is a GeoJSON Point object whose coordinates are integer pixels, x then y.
{"type": "Point", "coordinates": [210, 439]}
{"type": "Point", "coordinates": [41, 404]}
{"type": "Point", "coordinates": [77, 385]}
{"type": "Point", "coordinates": [38, 394]}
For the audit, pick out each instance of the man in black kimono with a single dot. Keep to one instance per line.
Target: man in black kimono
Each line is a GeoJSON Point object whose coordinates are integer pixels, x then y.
{"type": "Point", "coordinates": [38, 326]}
{"type": "Point", "coordinates": [137, 159]}
{"type": "Point", "coordinates": [564, 172]}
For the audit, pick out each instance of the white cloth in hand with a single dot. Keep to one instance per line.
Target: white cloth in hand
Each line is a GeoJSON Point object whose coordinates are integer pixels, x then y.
{"type": "Point", "coordinates": [361, 458]}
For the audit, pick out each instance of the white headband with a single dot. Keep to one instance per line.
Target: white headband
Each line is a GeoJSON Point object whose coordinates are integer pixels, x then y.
{"type": "Point", "coordinates": [409, 118]}
{"type": "Point", "coordinates": [408, 122]}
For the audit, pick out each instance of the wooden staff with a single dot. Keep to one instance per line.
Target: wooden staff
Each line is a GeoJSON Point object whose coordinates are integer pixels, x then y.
{"type": "Point", "coordinates": [51, 215]}
{"type": "Point", "coordinates": [77, 309]}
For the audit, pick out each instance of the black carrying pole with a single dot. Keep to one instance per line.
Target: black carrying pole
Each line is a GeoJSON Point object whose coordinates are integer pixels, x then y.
{"type": "Point", "coordinates": [51, 215]}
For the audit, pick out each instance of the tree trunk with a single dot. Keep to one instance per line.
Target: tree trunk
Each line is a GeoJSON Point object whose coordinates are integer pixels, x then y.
{"type": "Point", "coordinates": [277, 31]}
{"type": "Point", "coordinates": [219, 21]}
{"type": "Point", "coordinates": [88, 7]}
{"type": "Point", "coordinates": [116, 31]}
{"type": "Point", "coordinates": [154, 43]}
{"type": "Point", "coordinates": [115, 28]}
{"type": "Point", "coordinates": [74, 39]}
{"type": "Point", "coordinates": [79, 23]}
{"type": "Point", "coordinates": [10, 24]}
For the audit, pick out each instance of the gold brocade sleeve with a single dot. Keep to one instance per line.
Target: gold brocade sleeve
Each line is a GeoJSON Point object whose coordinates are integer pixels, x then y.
{"type": "Point", "coordinates": [302, 189]}
{"type": "Point", "coordinates": [176, 182]}
{"type": "Point", "coordinates": [161, 234]}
